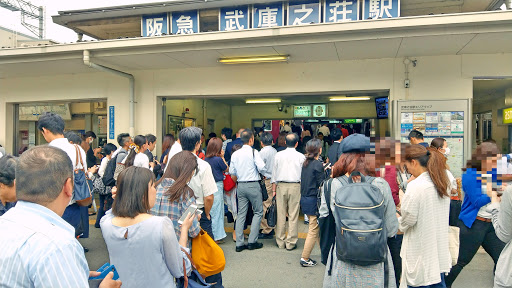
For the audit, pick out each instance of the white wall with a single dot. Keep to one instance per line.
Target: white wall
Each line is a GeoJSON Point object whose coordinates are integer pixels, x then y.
{"type": "Point", "coordinates": [435, 77]}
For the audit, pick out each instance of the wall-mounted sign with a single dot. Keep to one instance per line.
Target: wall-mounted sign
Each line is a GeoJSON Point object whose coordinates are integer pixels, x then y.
{"type": "Point", "coordinates": [234, 18]}
{"type": "Point", "coordinates": [304, 12]}
{"type": "Point", "coordinates": [341, 10]}
{"type": "Point", "coordinates": [268, 15]}
{"type": "Point", "coordinates": [507, 116]}
{"type": "Point", "coordinates": [111, 126]}
{"type": "Point", "coordinates": [185, 22]}
{"type": "Point", "coordinates": [320, 110]}
{"type": "Point", "coordinates": [155, 25]}
{"type": "Point", "coordinates": [377, 9]}
{"type": "Point", "coordinates": [352, 121]}
{"type": "Point", "coordinates": [302, 111]}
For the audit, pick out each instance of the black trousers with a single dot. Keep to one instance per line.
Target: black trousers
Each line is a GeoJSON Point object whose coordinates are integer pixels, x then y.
{"type": "Point", "coordinates": [480, 234]}
{"type": "Point", "coordinates": [105, 204]}
{"type": "Point", "coordinates": [395, 245]}
{"type": "Point", "coordinates": [207, 227]}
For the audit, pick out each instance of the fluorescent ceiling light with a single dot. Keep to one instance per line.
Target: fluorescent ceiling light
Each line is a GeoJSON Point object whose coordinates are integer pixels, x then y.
{"type": "Point", "coordinates": [254, 101]}
{"type": "Point", "coordinates": [349, 98]}
{"type": "Point", "coordinates": [254, 59]}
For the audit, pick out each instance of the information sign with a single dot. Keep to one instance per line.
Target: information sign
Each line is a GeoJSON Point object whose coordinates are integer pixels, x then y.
{"type": "Point", "coordinates": [155, 25]}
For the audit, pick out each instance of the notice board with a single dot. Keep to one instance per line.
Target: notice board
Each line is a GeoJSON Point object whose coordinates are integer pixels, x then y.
{"type": "Point", "coordinates": [448, 119]}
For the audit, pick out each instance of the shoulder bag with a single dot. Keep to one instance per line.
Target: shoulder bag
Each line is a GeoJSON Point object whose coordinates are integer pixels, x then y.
{"type": "Point", "coordinates": [263, 187]}
{"type": "Point", "coordinates": [228, 182]}
{"type": "Point", "coordinates": [82, 187]}
{"type": "Point", "coordinates": [207, 255]}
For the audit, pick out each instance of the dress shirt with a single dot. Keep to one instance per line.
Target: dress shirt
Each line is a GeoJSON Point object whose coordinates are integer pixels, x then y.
{"type": "Point", "coordinates": [245, 165]}
{"type": "Point", "coordinates": [175, 149]}
{"type": "Point", "coordinates": [202, 183]}
{"type": "Point", "coordinates": [287, 166]}
{"type": "Point", "coordinates": [63, 144]}
{"type": "Point", "coordinates": [39, 249]}
{"type": "Point", "coordinates": [325, 130]}
{"type": "Point", "coordinates": [267, 154]}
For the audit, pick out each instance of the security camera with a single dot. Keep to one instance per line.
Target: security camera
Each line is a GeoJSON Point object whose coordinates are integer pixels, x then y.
{"type": "Point", "coordinates": [280, 108]}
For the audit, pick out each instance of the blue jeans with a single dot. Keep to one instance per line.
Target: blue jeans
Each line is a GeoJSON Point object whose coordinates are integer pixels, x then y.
{"type": "Point", "coordinates": [217, 213]}
{"type": "Point", "coordinates": [438, 285]}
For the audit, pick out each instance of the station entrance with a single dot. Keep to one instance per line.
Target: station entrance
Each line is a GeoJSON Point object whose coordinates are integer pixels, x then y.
{"type": "Point", "coordinates": [363, 112]}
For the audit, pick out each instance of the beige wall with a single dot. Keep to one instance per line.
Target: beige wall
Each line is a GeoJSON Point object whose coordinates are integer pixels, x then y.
{"type": "Point", "coordinates": [434, 77]}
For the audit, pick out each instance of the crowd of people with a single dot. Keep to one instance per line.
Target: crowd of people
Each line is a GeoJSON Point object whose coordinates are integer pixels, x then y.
{"type": "Point", "coordinates": [385, 214]}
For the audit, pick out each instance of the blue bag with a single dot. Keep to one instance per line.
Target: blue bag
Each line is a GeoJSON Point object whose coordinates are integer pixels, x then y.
{"type": "Point", "coordinates": [82, 185]}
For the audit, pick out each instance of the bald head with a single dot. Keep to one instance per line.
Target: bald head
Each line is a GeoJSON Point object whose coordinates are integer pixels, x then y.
{"type": "Point", "coordinates": [291, 140]}
{"type": "Point", "coordinates": [239, 132]}
{"type": "Point", "coordinates": [41, 173]}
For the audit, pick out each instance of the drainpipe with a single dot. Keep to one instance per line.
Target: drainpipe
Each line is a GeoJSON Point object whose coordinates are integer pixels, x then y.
{"type": "Point", "coordinates": [88, 62]}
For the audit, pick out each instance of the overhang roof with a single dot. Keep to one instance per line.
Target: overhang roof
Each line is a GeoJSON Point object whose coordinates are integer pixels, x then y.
{"type": "Point", "coordinates": [457, 34]}
{"type": "Point", "coordinates": [124, 21]}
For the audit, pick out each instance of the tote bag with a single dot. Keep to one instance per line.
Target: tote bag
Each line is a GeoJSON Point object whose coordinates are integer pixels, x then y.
{"type": "Point", "coordinates": [82, 188]}
{"type": "Point", "coordinates": [207, 255]}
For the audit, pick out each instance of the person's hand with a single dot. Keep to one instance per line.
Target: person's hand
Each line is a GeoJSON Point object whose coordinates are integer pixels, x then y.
{"type": "Point", "coordinates": [152, 164]}
{"type": "Point", "coordinates": [495, 198]}
{"type": "Point", "coordinates": [114, 192]}
{"type": "Point", "coordinates": [108, 282]}
{"type": "Point", "coordinates": [157, 163]}
{"type": "Point", "coordinates": [187, 223]}
{"type": "Point", "coordinates": [94, 274]}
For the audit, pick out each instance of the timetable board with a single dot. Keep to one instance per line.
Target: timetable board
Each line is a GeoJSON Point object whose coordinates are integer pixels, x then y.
{"type": "Point", "coordinates": [437, 119]}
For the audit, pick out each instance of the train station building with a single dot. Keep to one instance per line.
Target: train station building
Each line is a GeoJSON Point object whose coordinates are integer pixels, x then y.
{"type": "Point", "coordinates": [383, 67]}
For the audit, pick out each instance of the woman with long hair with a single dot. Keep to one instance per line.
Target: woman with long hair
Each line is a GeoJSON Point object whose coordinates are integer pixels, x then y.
{"type": "Point", "coordinates": [424, 220]}
{"type": "Point", "coordinates": [136, 156]}
{"type": "Point", "coordinates": [173, 195]}
{"type": "Point", "coordinates": [356, 157]}
{"type": "Point", "coordinates": [215, 157]}
{"type": "Point", "coordinates": [139, 243]}
{"type": "Point", "coordinates": [167, 143]}
{"type": "Point", "coordinates": [475, 223]}
{"type": "Point", "coordinates": [312, 176]}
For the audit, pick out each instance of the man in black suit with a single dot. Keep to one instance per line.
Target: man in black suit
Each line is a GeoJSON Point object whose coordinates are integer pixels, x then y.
{"type": "Point", "coordinates": [334, 152]}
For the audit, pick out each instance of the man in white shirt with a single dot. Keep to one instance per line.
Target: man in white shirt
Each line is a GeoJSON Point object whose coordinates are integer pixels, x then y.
{"type": "Point", "coordinates": [175, 149]}
{"type": "Point", "coordinates": [267, 154]}
{"type": "Point", "coordinates": [39, 248]}
{"type": "Point", "coordinates": [286, 176]}
{"type": "Point", "coordinates": [52, 127]}
{"type": "Point", "coordinates": [246, 164]}
{"type": "Point", "coordinates": [202, 183]}
{"type": "Point", "coordinates": [325, 130]}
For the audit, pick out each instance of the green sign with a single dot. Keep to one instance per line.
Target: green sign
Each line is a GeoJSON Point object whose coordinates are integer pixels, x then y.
{"type": "Point", "coordinates": [352, 121]}
{"type": "Point", "coordinates": [507, 116]}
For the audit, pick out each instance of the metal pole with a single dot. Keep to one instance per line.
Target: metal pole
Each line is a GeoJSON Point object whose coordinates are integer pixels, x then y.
{"type": "Point", "coordinates": [41, 23]}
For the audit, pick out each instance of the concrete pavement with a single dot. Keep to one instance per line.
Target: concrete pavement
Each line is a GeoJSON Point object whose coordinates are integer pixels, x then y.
{"type": "Point", "coordinates": [274, 267]}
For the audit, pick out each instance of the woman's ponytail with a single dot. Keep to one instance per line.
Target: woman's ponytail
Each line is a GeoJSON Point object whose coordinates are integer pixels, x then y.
{"type": "Point", "coordinates": [436, 167]}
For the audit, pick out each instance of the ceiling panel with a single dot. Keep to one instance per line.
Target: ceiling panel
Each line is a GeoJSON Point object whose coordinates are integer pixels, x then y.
{"type": "Point", "coordinates": [246, 52]}
{"type": "Point", "coordinates": [368, 49]}
{"type": "Point", "coordinates": [309, 52]}
{"type": "Point", "coordinates": [205, 58]}
{"type": "Point", "coordinates": [146, 61]}
{"type": "Point", "coordinates": [489, 43]}
{"type": "Point", "coordinates": [433, 45]}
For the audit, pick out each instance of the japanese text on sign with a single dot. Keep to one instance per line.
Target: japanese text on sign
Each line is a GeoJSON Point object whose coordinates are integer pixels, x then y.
{"type": "Point", "coordinates": [236, 18]}
{"type": "Point", "coordinates": [185, 22]}
{"type": "Point", "coordinates": [155, 25]}
{"type": "Point", "coordinates": [303, 12]}
{"type": "Point", "coordinates": [268, 15]}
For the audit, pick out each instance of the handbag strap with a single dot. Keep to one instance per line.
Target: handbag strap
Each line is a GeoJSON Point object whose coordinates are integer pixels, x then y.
{"type": "Point", "coordinates": [79, 156]}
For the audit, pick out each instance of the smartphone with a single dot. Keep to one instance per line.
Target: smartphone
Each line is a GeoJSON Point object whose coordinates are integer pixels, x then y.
{"type": "Point", "coordinates": [192, 209]}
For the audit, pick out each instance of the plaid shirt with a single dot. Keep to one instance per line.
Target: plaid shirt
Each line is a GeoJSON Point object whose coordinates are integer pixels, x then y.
{"type": "Point", "coordinates": [174, 209]}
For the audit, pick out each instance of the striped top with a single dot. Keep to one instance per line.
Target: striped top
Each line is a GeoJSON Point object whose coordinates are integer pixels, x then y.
{"type": "Point", "coordinates": [39, 249]}
{"type": "Point", "coordinates": [425, 252]}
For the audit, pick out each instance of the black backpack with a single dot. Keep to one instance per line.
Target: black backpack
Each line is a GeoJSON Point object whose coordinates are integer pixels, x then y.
{"type": "Point", "coordinates": [361, 236]}
{"type": "Point", "coordinates": [108, 176]}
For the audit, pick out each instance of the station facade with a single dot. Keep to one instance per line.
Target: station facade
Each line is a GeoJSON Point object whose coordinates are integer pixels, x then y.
{"type": "Point", "coordinates": [448, 74]}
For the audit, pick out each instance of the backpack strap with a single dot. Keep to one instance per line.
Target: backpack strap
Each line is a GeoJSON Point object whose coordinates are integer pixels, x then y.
{"type": "Point", "coordinates": [327, 193]}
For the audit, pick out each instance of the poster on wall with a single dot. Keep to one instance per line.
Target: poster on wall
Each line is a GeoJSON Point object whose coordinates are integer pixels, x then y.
{"type": "Point", "coordinates": [434, 119]}
{"type": "Point", "coordinates": [267, 125]}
